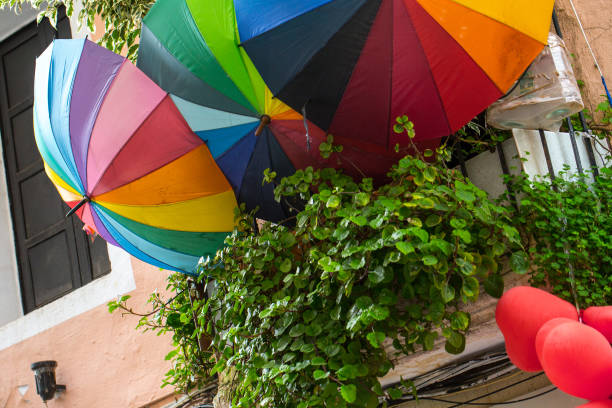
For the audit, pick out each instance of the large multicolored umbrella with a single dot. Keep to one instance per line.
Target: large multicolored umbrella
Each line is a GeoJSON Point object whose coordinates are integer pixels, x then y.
{"type": "Point", "coordinates": [355, 65]}
{"type": "Point", "coordinates": [116, 147]}
{"type": "Point", "coordinates": [190, 49]}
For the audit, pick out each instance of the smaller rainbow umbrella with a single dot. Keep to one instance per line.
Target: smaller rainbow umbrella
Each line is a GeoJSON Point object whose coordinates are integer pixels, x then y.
{"type": "Point", "coordinates": [190, 49]}
{"type": "Point", "coordinates": [124, 158]}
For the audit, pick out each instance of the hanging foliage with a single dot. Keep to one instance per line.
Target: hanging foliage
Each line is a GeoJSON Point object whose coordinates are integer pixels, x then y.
{"type": "Point", "coordinates": [122, 19]}
{"type": "Point", "coordinates": [313, 312]}
{"type": "Point", "coordinates": [567, 224]}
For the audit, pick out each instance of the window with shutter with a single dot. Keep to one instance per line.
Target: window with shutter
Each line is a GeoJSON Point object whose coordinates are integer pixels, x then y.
{"type": "Point", "coordinates": [54, 255]}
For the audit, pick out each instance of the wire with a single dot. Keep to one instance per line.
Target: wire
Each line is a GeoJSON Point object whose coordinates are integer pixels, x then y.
{"type": "Point", "coordinates": [486, 384]}
{"type": "Point", "coordinates": [471, 402]}
{"type": "Point", "coordinates": [488, 404]}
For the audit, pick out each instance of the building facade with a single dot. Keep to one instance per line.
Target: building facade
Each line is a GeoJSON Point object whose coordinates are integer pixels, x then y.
{"type": "Point", "coordinates": [102, 360]}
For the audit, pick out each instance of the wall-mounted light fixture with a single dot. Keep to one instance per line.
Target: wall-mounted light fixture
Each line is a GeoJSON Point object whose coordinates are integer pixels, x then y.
{"type": "Point", "coordinates": [44, 374]}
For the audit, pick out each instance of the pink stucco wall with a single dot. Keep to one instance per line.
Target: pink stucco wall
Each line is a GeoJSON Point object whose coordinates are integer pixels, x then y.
{"type": "Point", "coordinates": [101, 358]}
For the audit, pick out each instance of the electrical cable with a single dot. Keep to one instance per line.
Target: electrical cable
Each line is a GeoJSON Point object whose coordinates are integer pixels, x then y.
{"type": "Point", "coordinates": [471, 401]}
{"type": "Point", "coordinates": [487, 384]}
{"type": "Point", "coordinates": [488, 404]}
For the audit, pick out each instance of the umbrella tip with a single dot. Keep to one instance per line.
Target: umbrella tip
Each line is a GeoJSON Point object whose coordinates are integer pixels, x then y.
{"type": "Point", "coordinates": [264, 121]}
{"type": "Point", "coordinates": [79, 205]}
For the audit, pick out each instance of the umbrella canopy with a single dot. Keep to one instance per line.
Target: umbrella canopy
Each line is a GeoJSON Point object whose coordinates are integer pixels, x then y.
{"type": "Point", "coordinates": [355, 65]}
{"type": "Point", "coordinates": [111, 139]}
{"type": "Point", "coordinates": [190, 49]}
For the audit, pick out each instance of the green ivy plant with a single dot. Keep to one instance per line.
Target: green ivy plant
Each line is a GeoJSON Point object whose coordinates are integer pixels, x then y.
{"type": "Point", "coordinates": [122, 19]}
{"type": "Point", "coordinates": [567, 224]}
{"type": "Point", "coordinates": [312, 311]}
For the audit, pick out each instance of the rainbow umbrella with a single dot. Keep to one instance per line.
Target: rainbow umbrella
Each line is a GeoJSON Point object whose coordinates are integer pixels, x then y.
{"type": "Point", "coordinates": [355, 65]}
{"type": "Point", "coordinates": [123, 157]}
{"type": "Point", "coordinates": [190, 49]}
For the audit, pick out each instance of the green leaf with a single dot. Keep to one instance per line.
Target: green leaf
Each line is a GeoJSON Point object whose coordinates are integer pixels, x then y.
{"type": "Point", "coordinates": [379, 312]}
{"type": "Point", "coordinates": [395, 393]}
{"type": "Point", "coordinates": [309, 315]}
{"type": "Point", "coordinates": [348, 372]}
{"type": "Point", "coordinates": [404, 247]}
{"type": "Point", "coordinates": [333, 201]}
{"type": "Point", "coordinates": [377, 222]}
{"type": "Point", "coordinates": [297, 330]}
{"type": "Point", "coordinates": [494, 285]}
{"type": "Point", "coordinates": [467, 268]}
{"type": "Point", "coordinates": [460, 321]}
{"type": "Point", "coordinates": [288, 239]}
{"type": "Point", "coordinates": [433, 220]}
{"type": "Point", "coordinates": [455, 344]}
{"type": "Point", "coordinates": [465, 195]}
{"type": "Point", "coordinates": [429, 260]}
{"type": "Point", "coordinates": [313, 330]}
{"type": "Point", "coordinates": [464, 235]}
{"type": "Point", "coordinates": [429, 340]}
{"type": "Point", "coordinates": [317, 361]}
{"type": "Point", "coordinates": [363, 302]}
{"type": "Point", "coordinates": [376, 338]}
{"type": "Point", "coordinates": [470, 287]}
{"type": "Point", "coordinates": [332, 350]}
{"type": "Point", "coordinates": [377, 275]}
{"type": "Point", "coordinates": [349, 393]}
{"type": "Point", "coordinates": [419, 233]}
{"type": "Point", "coordinates": [362, 199]}
{"type": "Point", "coordinates": [360, 220]}
{"type": "Point", "coordinates": [174, 320]}
{"type": "Point", "coordinates": [171, 355]}
{"type": "Point", "coordinates": [357, 263]}
{"type": "Point", "coordinates": [519, 261]}
{"type": "Point", "coordinates": [285, 265]}
{"type": "Point", "coordinates": [448, 293]}
{"type": "Point", "coordinates": [430, 174]}
{"type": "Point", "coordinates": [443, 246]}
{"type": "Point", "coordinates": [320, 375]}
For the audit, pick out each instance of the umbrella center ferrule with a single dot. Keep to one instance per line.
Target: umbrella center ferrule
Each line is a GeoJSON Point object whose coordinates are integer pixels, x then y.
{"type": "Point", "coordinates": [81, 203]}
{"type": "Point", "coordinates": [264, 121]}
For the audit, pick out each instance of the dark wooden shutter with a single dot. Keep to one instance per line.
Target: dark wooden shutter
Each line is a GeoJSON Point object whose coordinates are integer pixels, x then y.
{"type": "Point", "coordinates": [54, 255]}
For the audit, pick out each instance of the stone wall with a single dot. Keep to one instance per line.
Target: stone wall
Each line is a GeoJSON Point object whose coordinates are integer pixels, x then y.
{"type": "Point", "coordinates": [596, 16]}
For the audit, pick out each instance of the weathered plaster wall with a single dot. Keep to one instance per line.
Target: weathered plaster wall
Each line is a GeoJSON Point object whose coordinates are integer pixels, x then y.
{"type": "Point", "coordinates": [596, 16]}
{"type": "Point", "coordinates": [101, 358]}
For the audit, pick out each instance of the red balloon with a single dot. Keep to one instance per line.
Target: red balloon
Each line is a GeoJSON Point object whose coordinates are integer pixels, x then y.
{"type": "Point", "coordinates": [597, 404]}
{"type": "Point", "coordinates": [520, 313]}
{"type": "Point", "coordinates": [599, 318]}
{"type": "Point", "coordinates": [545, 330]}
{"type": "Point", "coordinates": [576, 358]}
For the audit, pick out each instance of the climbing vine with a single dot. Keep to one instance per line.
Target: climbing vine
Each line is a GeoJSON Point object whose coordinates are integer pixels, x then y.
{"type": "Point", "coordinates": [567, 224]}
{"type": "Point", "coordinates": [313, 311]}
